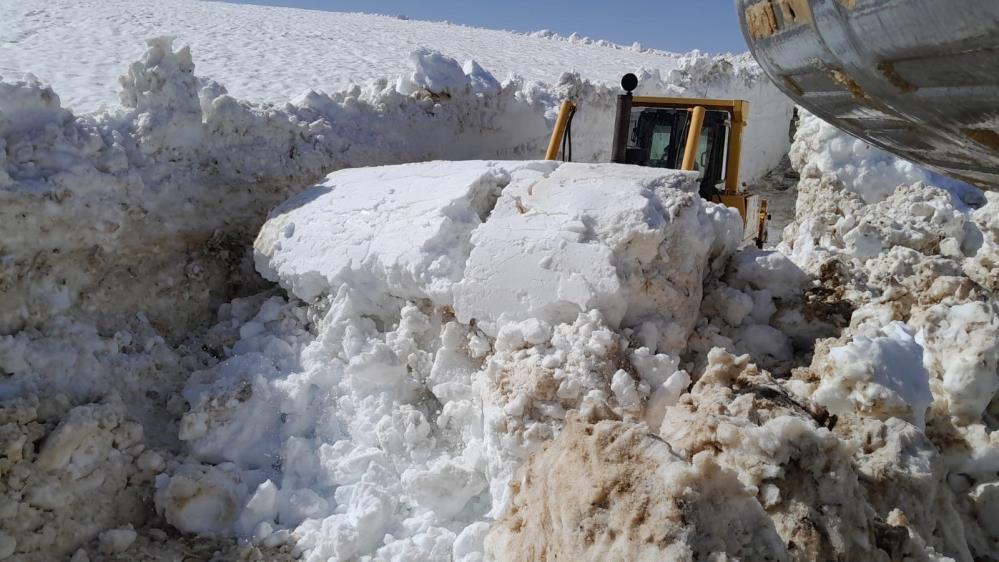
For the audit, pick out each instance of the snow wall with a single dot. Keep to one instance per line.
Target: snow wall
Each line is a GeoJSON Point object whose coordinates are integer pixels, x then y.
{"type": "Point", "coordinates": [149, 207]}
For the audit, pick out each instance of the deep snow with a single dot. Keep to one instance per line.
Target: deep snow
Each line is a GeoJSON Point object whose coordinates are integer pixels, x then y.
{"type": "Point", "coordinates": [447, 337]}
{"type": "Point", "coordinates": [124, 230]}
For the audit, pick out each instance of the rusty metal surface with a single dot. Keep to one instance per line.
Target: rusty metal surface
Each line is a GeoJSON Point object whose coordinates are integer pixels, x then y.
{"type": "Point", "coordinates": [919, 78]}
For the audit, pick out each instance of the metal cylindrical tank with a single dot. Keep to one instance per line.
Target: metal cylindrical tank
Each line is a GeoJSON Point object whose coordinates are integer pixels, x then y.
{"type": "Point", "coordinates": [919, 78]}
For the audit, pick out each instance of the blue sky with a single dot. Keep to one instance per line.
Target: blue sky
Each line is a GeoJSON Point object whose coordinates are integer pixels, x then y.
{"type": "Point", "coordinates": [672, 25]}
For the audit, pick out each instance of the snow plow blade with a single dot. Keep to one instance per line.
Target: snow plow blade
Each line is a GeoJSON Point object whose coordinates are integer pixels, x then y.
{"type": "Point", "coordinates": [918, 78]}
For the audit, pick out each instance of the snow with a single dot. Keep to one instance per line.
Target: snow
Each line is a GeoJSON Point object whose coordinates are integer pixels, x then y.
{"type": "Point", "coordinates": [268, 54]}
{"type": "Point", "coordinates": [458, 348]}
{"type": "Point", "coordinates": [905, 250]}
{"type": "Point", "coordinates": [884, 374]}
{"type": "Point", "coordinates": [116, 540]}
{"type": "Point", "coordinates": [183, 156]}
{"type": "Point", "coordinates": [422, 253]}
{"type": "Point", "coordinates": [587, 237]}
{"type": "Point", "coordinates": [404, 409]}
{"type": "Point", "coordinates": [866, 170]}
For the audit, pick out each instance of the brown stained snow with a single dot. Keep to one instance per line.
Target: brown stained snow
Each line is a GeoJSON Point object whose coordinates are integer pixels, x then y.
{"type": "Point", "coordinates": [612, 491]}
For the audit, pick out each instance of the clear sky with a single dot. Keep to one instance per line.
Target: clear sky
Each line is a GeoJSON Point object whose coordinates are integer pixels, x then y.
{"type": "Point", "coordinates": [671, 25]}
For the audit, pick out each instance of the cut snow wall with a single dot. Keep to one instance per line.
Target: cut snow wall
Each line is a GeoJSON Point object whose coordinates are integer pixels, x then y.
{"type": "Point", "coordinates": [150, 207]}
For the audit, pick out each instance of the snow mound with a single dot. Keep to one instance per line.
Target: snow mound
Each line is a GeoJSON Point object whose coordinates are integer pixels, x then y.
{"type": "Point", "coordinates": [399, 423]}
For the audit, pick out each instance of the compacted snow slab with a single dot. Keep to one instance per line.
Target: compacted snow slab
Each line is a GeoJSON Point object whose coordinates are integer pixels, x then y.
{"type": "Point", "coordinates": [591, 236]}
{"type": "Point", "coordinates": [397, 229]}
{"type": "Point", "coordinates": [506, 241]}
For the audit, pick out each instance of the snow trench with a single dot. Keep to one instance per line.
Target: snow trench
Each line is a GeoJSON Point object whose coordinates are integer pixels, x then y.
{"type": "Point", "coordinates": [162, 194]}
{"type": "Point", "coordinates": [402, 395]}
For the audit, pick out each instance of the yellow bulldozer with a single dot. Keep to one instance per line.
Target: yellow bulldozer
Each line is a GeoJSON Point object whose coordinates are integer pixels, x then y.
{"type": "Point", "coordinates": [693, 134]}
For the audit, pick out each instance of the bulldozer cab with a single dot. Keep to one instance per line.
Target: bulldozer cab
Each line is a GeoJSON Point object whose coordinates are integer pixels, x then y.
{"type": "Point", "coordinates": [692, 134]}
{"type": "Point", "coordinates": [658, 138]}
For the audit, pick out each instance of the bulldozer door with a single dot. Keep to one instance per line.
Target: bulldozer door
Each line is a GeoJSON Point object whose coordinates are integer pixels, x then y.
{"type": "Point", "coordinates": [712, 152]}
{"type": "Point", "coordinates": [658, 136]}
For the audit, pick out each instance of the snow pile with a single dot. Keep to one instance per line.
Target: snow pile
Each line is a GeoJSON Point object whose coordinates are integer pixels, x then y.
{"type": "Point", "coordinates": [394, 430]}
{"type": "Point", "coordinates": [764, 306]}
{"type": "Point", "coordinates": [914, 263]}
{"type": "Point", "coordinates": [881, 445]}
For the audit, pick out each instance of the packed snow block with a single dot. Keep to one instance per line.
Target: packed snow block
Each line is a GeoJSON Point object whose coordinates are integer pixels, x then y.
{"type": "Point", "coordinates": [506, 241]}
{"type": "Point", "coordinates": [397, 230]}
{"type": "Point", "coordinates": [883, 375]}
{"type": "Point", "coordinates": [631, 242]}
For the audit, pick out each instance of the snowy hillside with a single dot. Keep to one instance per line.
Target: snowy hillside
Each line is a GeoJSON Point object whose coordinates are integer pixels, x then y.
{"type": "Point", "coordinates": [266, 54]}
{"type": "Point", "coordinates": [245, 318]}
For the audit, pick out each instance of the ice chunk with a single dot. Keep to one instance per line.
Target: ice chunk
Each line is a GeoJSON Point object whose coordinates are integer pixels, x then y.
{"type": "Point", "coordinates": [883, 374]}
{"type": "Point", "coordinates": [401, 230]}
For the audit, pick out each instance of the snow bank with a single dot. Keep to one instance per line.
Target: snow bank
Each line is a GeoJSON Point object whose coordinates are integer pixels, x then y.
{"type": "Point", "coordinates": [266, 54]}
{"type": "Point", "coordinates": [911, 257]}
{"type": "Point", "coordinates": [125, 234]}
